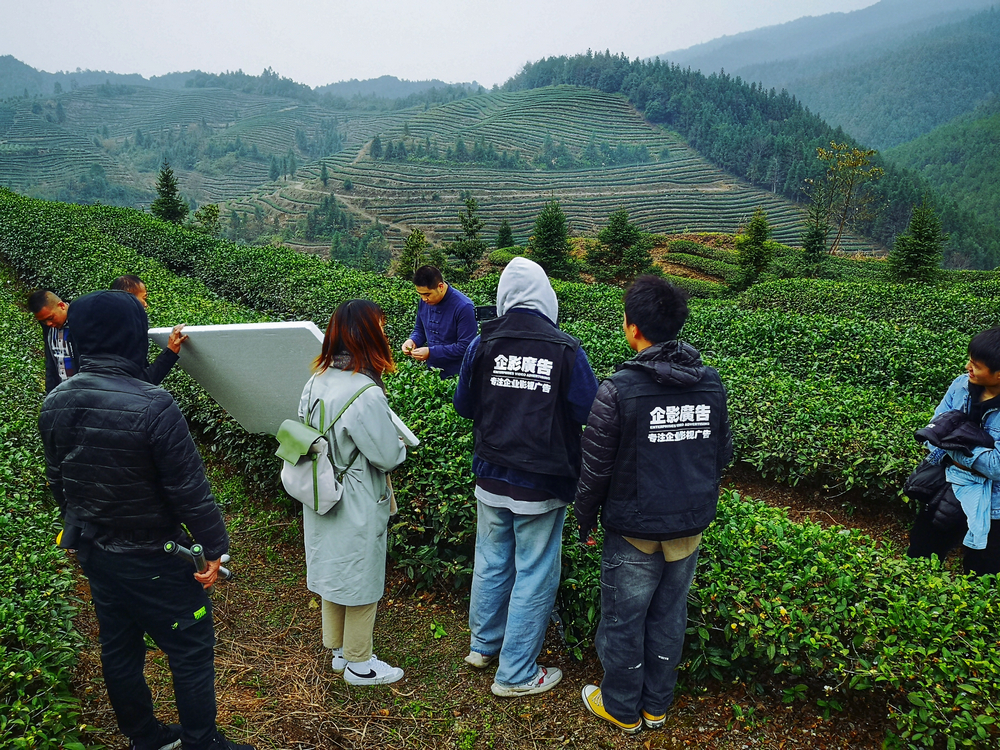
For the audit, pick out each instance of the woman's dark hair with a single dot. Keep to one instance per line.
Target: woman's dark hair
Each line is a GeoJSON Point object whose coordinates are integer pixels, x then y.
{"type": "Point", "coordinates": [130, 284]}
{"type": "Point", "coordinates": [355, 329]}
{"type": "Point", "coordinates": [657, 307]}
{"type": "Point", "coordinates": [985, 348]}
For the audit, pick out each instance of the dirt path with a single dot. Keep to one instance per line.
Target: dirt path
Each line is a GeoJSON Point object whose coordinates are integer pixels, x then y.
{"type": "Point", "coordinates": [275, 687]}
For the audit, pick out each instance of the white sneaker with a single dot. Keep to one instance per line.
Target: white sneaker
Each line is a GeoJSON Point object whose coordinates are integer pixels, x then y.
{"type": "Point", "coordinates": [478, 660]}
{"type": "Point", "coordinates": [546, 679]}
{"type": "Point", "coordinates": [371, 672]}
{"type": "Point", "coordinates": [339, 663]}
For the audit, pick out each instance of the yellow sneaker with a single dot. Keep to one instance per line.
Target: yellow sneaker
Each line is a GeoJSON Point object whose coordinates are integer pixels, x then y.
{"type": "Point", "coordinates": [594, 702]}
{"type": "Point", "coordinates": [653, 722]}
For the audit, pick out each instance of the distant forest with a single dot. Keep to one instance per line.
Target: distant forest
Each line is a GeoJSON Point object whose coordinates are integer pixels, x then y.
{"type": "Point", "coordinates": [270, 83]}
{"type": "Point", "coordinates": [926, 81]}
{"type": "Point", "coordinates": [765, 137]}
{"type": "Point", "coordinates": [961, 159]}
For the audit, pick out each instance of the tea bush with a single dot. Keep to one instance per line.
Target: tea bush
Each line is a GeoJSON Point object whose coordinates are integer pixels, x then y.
{"type": "Point", "coordinates": [937, 308]}
{"type": "Point", "coordinates": [37, 641]}
{"type": "Point", "coordinates": [831, 605]}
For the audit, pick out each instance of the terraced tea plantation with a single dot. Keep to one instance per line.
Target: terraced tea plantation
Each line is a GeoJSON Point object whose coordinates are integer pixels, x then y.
{"type": "Point", "coordinates": [222, 145]}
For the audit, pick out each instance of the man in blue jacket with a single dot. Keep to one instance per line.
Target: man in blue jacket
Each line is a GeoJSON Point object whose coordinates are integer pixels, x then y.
{"type": "Point", "coordinates": [528, 388]}
{"type": "Point", "coordinates": [446, 323]}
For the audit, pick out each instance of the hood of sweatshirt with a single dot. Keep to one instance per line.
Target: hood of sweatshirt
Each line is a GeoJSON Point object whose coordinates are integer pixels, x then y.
{"type": "Point", "coordinates": [523, 283]}
{"type": "Point", "coordinates": [109, 330]}
{"type": "Point", "coordinates": [669, 363]}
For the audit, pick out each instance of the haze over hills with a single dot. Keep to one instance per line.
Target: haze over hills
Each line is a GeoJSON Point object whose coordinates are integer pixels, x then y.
{"type": "Point", "coordinates": [886, 73]}
{"type": "Point", "coordinates": [680, 150]}
{"type": "Point", "coordinates": [18, 79]}
{"type": "Point", "coordinates": [809, 40]}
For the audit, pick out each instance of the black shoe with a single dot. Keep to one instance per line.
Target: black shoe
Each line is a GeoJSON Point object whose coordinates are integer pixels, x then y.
{"type": "Point", "coordinates": [164, 737]}
{"type": "Point", "coordinates": [221, 743]}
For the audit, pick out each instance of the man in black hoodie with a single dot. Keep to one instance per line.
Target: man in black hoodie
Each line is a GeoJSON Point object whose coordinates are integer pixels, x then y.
{"type": "Point", "coordinates": [655, 445]}
{"type": "Point", "coordinates": [126, 474]}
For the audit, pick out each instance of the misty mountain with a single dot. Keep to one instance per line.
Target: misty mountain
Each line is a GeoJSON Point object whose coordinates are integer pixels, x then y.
{"type": "Point", "coordinates": [821, 42]}
{"type": "Point", "coordinates": [926, 81]}
{"type": "Point", "coordinates": [19, 79]}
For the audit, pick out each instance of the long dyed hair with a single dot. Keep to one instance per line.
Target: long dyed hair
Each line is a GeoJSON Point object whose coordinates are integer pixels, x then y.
{"type": "Point", "coordinates": [355, 329]}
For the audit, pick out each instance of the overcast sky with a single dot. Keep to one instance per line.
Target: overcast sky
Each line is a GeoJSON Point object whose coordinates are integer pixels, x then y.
{"type": "Point", "coordinates": [323, 41]}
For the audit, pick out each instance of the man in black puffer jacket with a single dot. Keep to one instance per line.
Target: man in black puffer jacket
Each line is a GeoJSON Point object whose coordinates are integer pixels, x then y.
{"type": "Point", "coordinates": [655, 445]}
{"type": "Point", "coordinates": [126, 474]}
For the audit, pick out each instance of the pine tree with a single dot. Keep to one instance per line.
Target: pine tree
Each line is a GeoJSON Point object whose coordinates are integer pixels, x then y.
{"type": "Point", "coordinates": [469, 248]}
{"type": "Point", "coordinates": [324, 175]}
{"type": "Point", "coordinates": [275, 171]}
{"type": "Point", "coordinates": [168, 205]}
{"type": "Point", "coordinates": [505, 237]}
{"type": "Point", "coordinates": [754, 249]}
{"type": "Point", "coordinates": [622, 252]}
{"type": "Point", "coordinates": [376, 149]}
{"type": "Point", "coordinates": [550, 246]}
{"type": "Point", "coordinates": [916, 255]}
{"type": "Point", "coordinates": [414, 255]}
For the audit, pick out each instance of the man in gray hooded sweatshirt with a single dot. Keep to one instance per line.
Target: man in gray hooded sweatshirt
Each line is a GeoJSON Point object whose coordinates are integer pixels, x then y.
{"type": "Point", "coordinates": [528, 387]}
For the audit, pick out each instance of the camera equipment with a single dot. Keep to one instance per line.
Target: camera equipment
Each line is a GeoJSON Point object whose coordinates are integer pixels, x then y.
{"type": "Point", "coordinates": [197, 557]}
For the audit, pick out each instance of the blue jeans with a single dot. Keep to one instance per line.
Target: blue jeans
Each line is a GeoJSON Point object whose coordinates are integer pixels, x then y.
{"type": "Point", "coordinates": [641, 635]}
{"type": "Point", "coordinates": [514, 587]}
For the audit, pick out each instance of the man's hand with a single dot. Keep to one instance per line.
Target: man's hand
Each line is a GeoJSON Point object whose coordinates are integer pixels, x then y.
{"type": "Point", "coordinates": [408, 346]}
{"type": "Point", "coordinates": [177, 337]}
{"type": "Point", "coordinates": [211, 574]}
{"type": "Point", "coordinates": [423, 353]}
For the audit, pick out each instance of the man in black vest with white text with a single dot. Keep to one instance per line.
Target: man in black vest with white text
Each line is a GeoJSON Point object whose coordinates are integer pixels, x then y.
{"type": "Point", "coordinates": [528, 388]}
{"type": "Point", "coordinates": [654, 449]}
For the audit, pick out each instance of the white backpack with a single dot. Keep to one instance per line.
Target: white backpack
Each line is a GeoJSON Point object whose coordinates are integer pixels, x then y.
{"type": "Point", "coordinates": [307, 473]}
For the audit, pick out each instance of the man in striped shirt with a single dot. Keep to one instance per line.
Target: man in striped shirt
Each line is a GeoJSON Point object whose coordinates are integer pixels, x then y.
{"type": "Point", "coordinates": [60, 361]}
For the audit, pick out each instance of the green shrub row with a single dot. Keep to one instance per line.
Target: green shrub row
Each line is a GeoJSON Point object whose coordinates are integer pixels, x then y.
{"type": "Point", "coordinates": [837, 614]}
{"type": "Point", "coordinates": [38, 644]}
{"type": "Point", "coordinates": [689, 247]}
{"type": "Point", "coordinates": [725, 271]}
{"type": "Point", "coordinates": [868, 353]}
{"type": "Point", "coordinates": [938, 308]}
{"type": "Point", "coordinates": [504, 255]}
{"type": "Point", "coordinates": [794, 427]}
{"type": "Point", "coordinates": [287, 284]}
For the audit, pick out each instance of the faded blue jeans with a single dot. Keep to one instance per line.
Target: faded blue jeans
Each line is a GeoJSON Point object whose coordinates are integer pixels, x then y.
{"type": "Point", "coordinates": [641, 635]}
{"type": "Point", "coordinates": [514, 587]}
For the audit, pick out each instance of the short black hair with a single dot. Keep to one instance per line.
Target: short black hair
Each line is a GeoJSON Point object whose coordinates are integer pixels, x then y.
{"type": "Point", "coordinates": [39, 299]}
{"type": "Point", "coordinates": [428, 277]}
{"type": "Point", "coordinates": [985, 348]}
{"type": "Point", "coordinates": [130, 284]}
{"type": "Point", "coordinates": [656, 307]}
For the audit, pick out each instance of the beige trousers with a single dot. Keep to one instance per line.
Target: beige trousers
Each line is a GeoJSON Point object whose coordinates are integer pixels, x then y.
{"type": "Point", "coordinates": [350, 628]}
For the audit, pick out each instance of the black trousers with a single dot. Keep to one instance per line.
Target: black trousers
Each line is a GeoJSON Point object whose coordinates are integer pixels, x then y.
{"type": "Point", "coordinates": [927, 540]}
{"type": "Point", "coordinates": [155, 594]}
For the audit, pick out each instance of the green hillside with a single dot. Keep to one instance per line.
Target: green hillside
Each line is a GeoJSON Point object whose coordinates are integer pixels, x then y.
{"type": "Point", "coordinates": [960, 159]}
{"type": "Point", "coordinates": [924, 82]}
{"type": "Point", "coordinates": [817, 44]}
{"type": "Point", "coordinates": [222, 143]}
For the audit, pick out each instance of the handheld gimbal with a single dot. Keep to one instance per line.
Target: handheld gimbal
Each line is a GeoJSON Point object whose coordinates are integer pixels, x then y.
{"type": "Point", "coordinates": [197, 557]}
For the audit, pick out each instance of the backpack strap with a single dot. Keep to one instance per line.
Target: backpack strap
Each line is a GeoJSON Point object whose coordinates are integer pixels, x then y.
{"type": "Point", "coordinates": [340, 475]}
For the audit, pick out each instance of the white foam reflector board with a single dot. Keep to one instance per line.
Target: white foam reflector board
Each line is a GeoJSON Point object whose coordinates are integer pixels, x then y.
{"type": "Point", "coordinates": [255, 371]}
